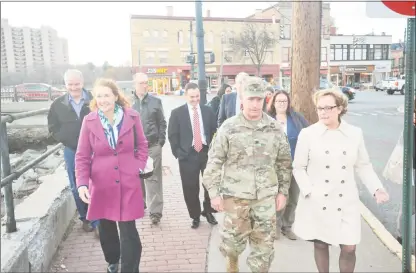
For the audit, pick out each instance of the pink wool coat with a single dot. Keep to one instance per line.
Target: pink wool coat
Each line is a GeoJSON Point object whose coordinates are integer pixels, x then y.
{"type": "Point", "coordinates": [112, 175]}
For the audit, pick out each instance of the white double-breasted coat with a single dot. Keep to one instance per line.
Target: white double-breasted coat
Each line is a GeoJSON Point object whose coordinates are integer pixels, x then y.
{"type": "Point", "coordinates": [323, 167]}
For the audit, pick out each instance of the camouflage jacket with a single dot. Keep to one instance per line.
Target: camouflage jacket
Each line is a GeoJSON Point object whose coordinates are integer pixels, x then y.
{"type": "Point", "coordinates": [248, 160]}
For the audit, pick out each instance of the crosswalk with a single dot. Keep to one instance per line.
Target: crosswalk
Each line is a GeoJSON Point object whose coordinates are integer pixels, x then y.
{"type": "Point", "coordinates": [374, 113]}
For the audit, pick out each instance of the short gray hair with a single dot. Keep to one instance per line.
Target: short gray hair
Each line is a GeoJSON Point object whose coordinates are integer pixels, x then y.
{"type": "Point", "coordinates": [70, 73]}
{"type": "Point", "coordinates": [240, 78]}
{"type": "Point", "coordinates": [139, 74]}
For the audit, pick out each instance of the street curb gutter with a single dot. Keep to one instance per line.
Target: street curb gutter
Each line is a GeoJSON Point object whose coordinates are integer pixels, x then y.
{"type": "Point", "coordinates": [385, 237]}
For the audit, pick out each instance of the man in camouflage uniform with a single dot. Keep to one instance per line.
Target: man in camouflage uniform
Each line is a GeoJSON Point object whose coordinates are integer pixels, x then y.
{"type": "Point", "coordinates": [247, 176]}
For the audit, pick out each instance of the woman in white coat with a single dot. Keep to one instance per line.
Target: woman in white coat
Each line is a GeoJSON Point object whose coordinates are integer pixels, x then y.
{"type": "Point", "coordinates": [326, 156]}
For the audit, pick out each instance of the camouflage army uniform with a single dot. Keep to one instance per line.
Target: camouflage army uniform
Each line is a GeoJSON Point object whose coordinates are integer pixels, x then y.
{"type": "Point", "coordinates": [249, 163]}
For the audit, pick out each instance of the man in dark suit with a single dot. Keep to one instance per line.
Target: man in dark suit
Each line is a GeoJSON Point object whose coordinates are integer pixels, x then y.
{"type": "Point", "coordinates": [230, 103]}
{"type": "Point", "coordinates": [190, 132]}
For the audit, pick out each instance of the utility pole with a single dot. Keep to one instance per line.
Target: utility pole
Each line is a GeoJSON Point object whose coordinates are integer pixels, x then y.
{"type": "Point", "coordinates": [191, 41]}
{"type": "Point", "coordinates": [202, 82]}
{"type": "Point", "coordinates": [306, 59]}
{"type": "Point", "coordinates": [408, 136]}
{"type": "Point", "coordinates": [140, 61]}
{"type": "Point", "coordinates": [401, 71]}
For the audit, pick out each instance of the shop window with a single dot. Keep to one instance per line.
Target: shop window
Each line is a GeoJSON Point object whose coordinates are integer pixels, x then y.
{"type": "Point", "coordinates": [332, 58]}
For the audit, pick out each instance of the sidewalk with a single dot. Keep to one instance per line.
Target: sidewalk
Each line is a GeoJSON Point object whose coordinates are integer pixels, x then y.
{"type": "Point", "coordinates": [297, 256]}
{"type": "Point", "coordinates": [171, 246]}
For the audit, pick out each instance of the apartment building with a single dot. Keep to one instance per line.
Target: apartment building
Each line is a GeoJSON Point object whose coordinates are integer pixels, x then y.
{"type": "Point", "coordinates": [397, 51]}
{"type": "Point", "coordinates": [24, 49]}
{"type": "Point", "coordinates": [360, 59]}
{"type": "Point", "coordinates": [282, 12]}
{"type": "Point", "coordinates": [160, 45]}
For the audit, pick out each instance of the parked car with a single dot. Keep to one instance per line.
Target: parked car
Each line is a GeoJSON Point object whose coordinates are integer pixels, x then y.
{"type": "Point", "coordinates": [37, 92]}
{"type": "Point", "coordinates": [392, 85]}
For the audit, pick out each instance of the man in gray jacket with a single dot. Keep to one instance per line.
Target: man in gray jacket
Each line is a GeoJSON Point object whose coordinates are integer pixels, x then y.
{"type": "Point", "coordinates": [154, 126]}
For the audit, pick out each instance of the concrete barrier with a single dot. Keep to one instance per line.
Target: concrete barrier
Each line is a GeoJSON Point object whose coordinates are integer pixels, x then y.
{"type": "Point", "coordinates": [42, 220]}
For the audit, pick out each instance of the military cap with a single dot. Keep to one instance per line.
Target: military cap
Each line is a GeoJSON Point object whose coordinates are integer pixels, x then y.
{"type": "Point", "coordinates": [254, 87]}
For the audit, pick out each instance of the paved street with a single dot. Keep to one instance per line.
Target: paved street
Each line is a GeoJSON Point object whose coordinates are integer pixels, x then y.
{"type": "Point", "coordinates": [376, 113]}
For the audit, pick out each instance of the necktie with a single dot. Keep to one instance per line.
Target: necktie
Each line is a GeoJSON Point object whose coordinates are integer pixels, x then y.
{"type": "Point", "coordinates": [197, 131]}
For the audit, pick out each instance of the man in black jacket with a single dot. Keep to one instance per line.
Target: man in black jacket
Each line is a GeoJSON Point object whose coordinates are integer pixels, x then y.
{"type": "Point", "coordinates": [191, 130]}
{"type": "Point", "coordinates": [64, 122]}
{"type": "Point", "coordinates": [154, 127]}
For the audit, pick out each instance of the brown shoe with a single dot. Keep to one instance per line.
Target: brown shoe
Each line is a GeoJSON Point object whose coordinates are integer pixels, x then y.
{"type": "Point", "coordinates": [289, 234]}
{"type": "Point", "coordinates": [86, 226]}
{"type": "Point", "coordinates": [232, 264]}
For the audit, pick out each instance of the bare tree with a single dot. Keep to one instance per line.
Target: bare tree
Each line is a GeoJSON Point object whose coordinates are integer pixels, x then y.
{"type": "Point", "coordinates": [254, 41]}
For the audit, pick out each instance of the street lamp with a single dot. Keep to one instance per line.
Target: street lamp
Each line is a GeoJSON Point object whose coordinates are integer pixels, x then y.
{"type": "Point", "coordinates": [202, 82]}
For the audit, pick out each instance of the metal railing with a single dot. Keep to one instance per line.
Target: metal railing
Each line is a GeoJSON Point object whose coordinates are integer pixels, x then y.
{"type": "Point", "coordinates": [10, 175]}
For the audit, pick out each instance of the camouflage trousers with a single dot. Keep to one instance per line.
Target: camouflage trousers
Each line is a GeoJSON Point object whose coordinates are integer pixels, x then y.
{"type": "Point", "coordinates": [252, 220]}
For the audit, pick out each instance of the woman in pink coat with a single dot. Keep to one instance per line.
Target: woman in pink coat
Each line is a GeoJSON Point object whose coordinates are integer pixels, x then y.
{"type": "Point", "coordinates": [111, 153]}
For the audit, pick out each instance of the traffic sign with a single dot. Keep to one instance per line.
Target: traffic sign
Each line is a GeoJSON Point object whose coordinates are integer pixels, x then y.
{"type": "Point", "coordinates": [391, 9]}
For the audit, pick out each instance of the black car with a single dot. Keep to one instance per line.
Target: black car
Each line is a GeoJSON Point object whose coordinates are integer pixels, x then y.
{"type": "Point", "coordinates": [347, 91]}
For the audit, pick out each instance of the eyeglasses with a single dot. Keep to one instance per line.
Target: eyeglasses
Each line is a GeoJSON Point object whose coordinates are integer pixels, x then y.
{"type": "Point", "coordinates": [326, 108]}
{"type": "Point", "coordinates": [281, 101]}
{"type": "Point", "coordinates": [142, 82]}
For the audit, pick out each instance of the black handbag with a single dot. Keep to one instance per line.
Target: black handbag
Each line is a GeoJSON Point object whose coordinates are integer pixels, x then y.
{"type": "Point", "coordinates": [148, 170]}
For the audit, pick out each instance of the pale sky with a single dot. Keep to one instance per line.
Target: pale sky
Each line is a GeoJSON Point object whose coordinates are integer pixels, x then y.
{"type": "Point", "coordinates": [99, 31]}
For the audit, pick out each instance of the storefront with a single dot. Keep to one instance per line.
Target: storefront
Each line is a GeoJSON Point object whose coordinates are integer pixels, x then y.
{"type": "Point", "coordinates": [352, 75]}
{"type": "Point", "coordinates": [286, 75]}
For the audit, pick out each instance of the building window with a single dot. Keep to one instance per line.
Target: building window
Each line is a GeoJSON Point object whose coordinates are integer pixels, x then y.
{"type": "Point", "coordinates": [324, 52]}
{"type": "Point", "coordinates": [150, 57]}
{"type": "Point", "coordinates": [341, 52]}
{"type": "Point", "coordinates": [180, 37]}
{"type": "Point", "coordinates": [163, 57]}
{"type": "Point", "coordinates": [146, 34]}
{"type": "Point", "coordinates": [378, 54]}
{"type": "Point", "coordinates": [223, 38]}
{"type": "Point", "coordinates": [228, 56]}
{"type": "Point", "coordinates": [165, 34]}
{"type": "Point", "coordinates": [286, 32]}
{"type": "Point", "coordinates": [385, 52]}
{"type": "Point", "coordinates": [231, 37]}
{"type": "Point", "coordinates": [211, 37]}
{"type": "Point", "coordinates": [286, 54]}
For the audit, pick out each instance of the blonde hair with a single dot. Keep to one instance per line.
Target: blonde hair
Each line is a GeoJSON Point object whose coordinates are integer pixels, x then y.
{"type": "Point", "coordinates": [121, 98]}
{"type": "Point", "coordinates": [340, 99]}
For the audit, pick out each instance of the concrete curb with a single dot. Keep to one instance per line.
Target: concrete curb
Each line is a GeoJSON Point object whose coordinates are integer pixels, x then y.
{"type": "Point", "coordinates": [42, 220]}
{"type": "Point", "coordinates": [381, 232]}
